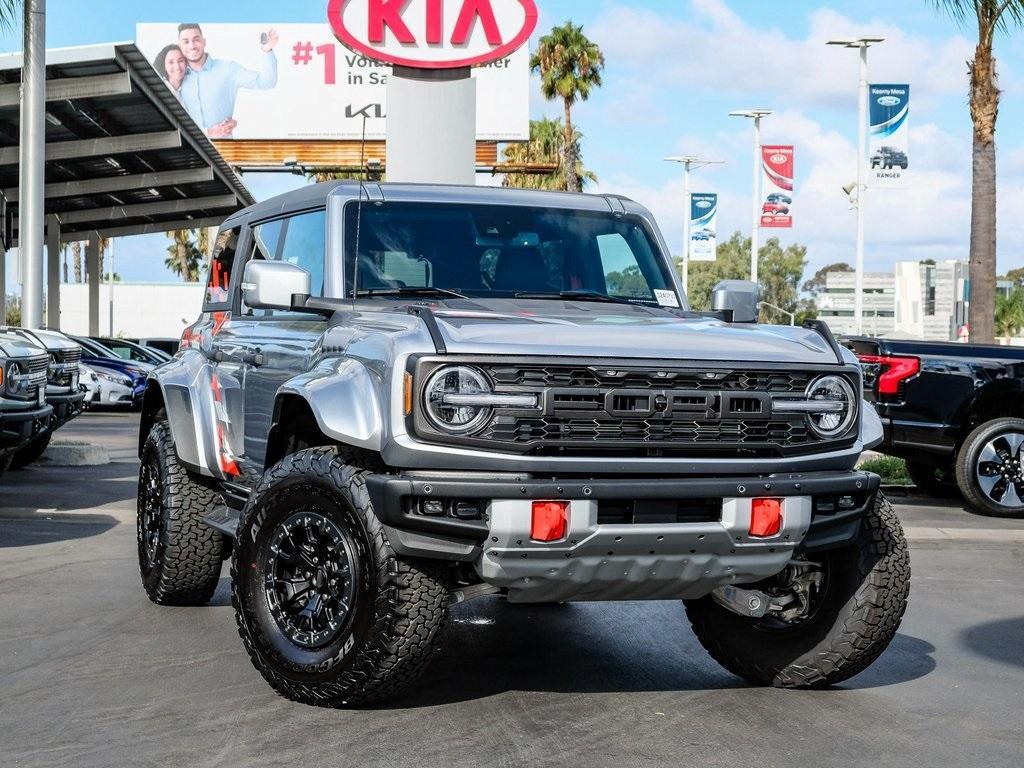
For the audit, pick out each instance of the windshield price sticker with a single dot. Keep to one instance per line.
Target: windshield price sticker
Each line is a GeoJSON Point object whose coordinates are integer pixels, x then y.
{"type": "Point", "coordinates": [666, 298]}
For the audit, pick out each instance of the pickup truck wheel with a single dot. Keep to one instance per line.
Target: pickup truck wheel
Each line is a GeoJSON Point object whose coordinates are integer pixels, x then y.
{"type": "Point", "coordinates": [179, 555]}
{"type": "Point", "coordinates": [990, 468]}
{"type": "Point", "coordinates": [850, 616]}
{"type": "Point", "coordinates": [31, 452]}
{"type": "Point", "coordinates": [937, 482]}
{"type": "Point", "coordinates": [328, 613]}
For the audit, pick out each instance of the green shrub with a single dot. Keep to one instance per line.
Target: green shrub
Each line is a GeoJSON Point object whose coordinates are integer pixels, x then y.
{"type": "Point", "coordinates": [889, 468]}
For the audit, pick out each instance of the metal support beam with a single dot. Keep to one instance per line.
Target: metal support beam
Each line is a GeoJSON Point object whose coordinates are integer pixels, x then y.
{"type": "Point", "coordinates": [102, 147]}
{"type": "Point", "coordinates": [121, 183]}
{"type": "Point", "coordinates": [31, 192]}
{"type": "Point", "coordinates": [52, 272]}
{"type": "Point", "coordinates": [62, 89]}
{"type": "Point", "coordinates": [162, 208]}
{"type": "Point", "coordinates": [3, 281]}
{"type": "Point", "coordinates": [92, 269]}
{"type": "Point", "coordinates": [156, 227]}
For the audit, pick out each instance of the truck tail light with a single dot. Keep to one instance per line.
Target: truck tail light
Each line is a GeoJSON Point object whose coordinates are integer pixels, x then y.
{"type": "Point", "coordinates": [894, 370]}
{"type": "Point", "coordinates": [550, 520]}
{"type": "Point", "coordinates": [765, 517]}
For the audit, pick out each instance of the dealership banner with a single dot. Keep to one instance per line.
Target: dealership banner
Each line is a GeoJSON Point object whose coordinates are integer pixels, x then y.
{"type": "Point", "coordinates": [703, 226]}
{"type": "Point", "coordinates": [777, 186]}
{"type": "Point", "coordinates": [296, 81]}
{"type": "Point", "coordinates": [888, 149]}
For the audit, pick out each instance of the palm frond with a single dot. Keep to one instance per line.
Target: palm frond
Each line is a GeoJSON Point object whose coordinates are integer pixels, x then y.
{"type": "Point", "coordinates": [9, 13]}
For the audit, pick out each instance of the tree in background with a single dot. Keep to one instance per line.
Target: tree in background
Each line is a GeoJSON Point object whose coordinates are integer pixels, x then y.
{"type": "Point", "coordinates": [9, 13]}
{"type": "Point", "coordinates": [781, 272]}
{"type": "Point", "coordinates": [570, 68]}
{"type": "Point", "coordinates": [1015, 276]}
{"type": "Point", "coordinates": [76, 260]}
{"type": "Point", "coordinates": [816, 284]}
{"type": "Point", "coordinates": [1009, 315]}
{"type": "Point", "coordinates": [990, 16]}
{"type": "Point", "coordinates": [184, 256]}
{"type": "Point", "coordinates": [547, 146]}
{"type": "Point", "coordinates": [13, 315]}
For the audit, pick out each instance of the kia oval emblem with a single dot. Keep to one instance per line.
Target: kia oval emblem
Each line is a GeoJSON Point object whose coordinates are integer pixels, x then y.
{"type": "Point", "coordinates": [778, 159]}
{"type": "Point", "coordinates": [433, 34]}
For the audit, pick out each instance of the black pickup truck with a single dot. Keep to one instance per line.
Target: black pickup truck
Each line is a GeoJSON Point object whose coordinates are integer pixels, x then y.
{"type": "Point", "coordinates": [955, 413]}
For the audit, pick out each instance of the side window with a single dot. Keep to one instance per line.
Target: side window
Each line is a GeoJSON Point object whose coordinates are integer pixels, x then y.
{"type": "Point", "coordinates": [299, 240]}
{"type": "Point", "coordinates": [218, 287]}
{"type": "Point", "coordinates": [304, 246]}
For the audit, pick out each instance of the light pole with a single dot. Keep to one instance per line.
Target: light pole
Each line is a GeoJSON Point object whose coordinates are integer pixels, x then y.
{"type": "Point", "coordinates": [861, 43]}
{"type": "Point", "coordinates": [756, 115]}
{"type": "Point", "coordinates": [32, 194]}
{"type": "Point", "coordinates": [689, 162]}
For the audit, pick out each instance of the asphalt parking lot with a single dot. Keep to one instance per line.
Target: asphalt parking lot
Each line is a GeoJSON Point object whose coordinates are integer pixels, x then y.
{"type": "Point", "coordinates": [93, 674]}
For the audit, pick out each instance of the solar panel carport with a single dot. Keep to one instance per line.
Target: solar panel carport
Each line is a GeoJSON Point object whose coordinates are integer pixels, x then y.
{"type": "Point", "coordinates": [123, 157]}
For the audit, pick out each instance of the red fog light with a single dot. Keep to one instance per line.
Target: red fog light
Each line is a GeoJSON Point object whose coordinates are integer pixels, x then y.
{"type": "Point", "coordinates": [765, 517]}
{"type": "Point", "coordinates": [550, 520]}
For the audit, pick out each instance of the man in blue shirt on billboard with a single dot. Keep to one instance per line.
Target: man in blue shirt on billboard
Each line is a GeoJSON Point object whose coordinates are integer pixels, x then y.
{"type": "Point", "coordinates": [211, 85]}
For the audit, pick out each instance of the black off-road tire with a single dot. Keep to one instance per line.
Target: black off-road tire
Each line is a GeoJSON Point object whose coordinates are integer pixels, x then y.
{"type": "Point", "coordinates": [31, 452]}
{"type": "Point", "coordinates": [976, 501]}
{"type": "Point", "coordinates": [934, 481]}
{"type": "Point", "coordinates": [856, 618]}
{"type": "Point", "coordinates": [398, 609]}
{"type": "Point", "coordinates": [187, 563]}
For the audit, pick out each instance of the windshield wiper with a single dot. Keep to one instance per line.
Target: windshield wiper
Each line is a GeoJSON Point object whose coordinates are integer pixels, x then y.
{"type": "Point", "coordinates": [576, 296]}
{"type": "Point", "coordinates": [411, 291]}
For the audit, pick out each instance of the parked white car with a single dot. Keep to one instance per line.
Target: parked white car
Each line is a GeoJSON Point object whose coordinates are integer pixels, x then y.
{"type": "Point", "coordinates": [112, 388]}
{"type": "Point", "coordinates": [88, 378]}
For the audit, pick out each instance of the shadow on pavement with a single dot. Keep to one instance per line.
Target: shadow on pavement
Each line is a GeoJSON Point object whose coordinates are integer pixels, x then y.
{"type": "Point", "coordinates": [64, 488]}
{"type": "Point", "coordinates": [1001, 640]}
{"type": "Point", "coordinates": [28, 531]}
{"type": "Point", "coordinates": [491, 649]}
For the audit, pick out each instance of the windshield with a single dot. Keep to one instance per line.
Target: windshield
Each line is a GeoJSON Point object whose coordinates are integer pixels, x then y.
{"type": "Point", "coordinates": [488, 251]}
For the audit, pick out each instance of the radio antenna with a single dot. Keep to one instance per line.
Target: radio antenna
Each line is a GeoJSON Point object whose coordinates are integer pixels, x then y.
{"type": "Point", "coordinates": [359, 212]}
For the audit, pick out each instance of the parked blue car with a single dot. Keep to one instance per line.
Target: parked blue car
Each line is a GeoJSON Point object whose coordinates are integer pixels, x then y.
{"type": "Point", "coordinates": [130, 374]}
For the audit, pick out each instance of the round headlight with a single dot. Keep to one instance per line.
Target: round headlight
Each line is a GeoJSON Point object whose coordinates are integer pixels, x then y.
{"type": "Point", "coordinates": [12, 378]}
{"type": "Point", "coordinates": [449, 416]}
{"type": "Point", "coordinates": [835, 422]}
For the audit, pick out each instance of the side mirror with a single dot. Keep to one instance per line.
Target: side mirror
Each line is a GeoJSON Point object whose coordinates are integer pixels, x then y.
{"type": "Point", "coordinates": [271, 284]}
{"type": "Point", "coordinates": [738, 297]}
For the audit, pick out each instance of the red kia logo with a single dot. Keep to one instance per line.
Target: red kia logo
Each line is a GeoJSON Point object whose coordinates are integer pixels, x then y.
{"type": "Point", "coordinates": [433, 34]}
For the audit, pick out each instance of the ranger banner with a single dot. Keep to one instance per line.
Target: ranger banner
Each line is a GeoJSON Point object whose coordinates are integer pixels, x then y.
{"type": "Point", "coordinates": [889, 107]}
{"type": "Point", "coordinates": [703, 226]}
{"type": "Point", "coordinates": [777, 186]}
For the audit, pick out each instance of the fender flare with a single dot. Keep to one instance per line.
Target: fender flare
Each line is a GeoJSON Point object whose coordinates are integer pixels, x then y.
{"type": "Point", "coordinates": [345, 397]}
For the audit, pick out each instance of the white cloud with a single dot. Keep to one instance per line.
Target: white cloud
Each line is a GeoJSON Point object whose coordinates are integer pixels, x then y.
{"type": "Point", "coordinates": [715, 49]}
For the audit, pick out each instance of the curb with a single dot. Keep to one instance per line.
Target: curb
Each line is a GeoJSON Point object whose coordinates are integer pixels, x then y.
{"type": "Point", "coordinates": [67, 453]}
{"type": "Point", "coordinates": [997, 535]}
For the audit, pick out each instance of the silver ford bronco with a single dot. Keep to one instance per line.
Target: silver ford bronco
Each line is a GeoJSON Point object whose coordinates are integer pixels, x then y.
{"type": "Point", "coordinates": [398, 397]}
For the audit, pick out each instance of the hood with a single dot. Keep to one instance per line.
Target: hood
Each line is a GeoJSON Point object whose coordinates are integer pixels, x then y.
{"type": "Point", "coordinates": [578, 329]}
{"type": "Point", "coordinates": [13, 345]}
{"type": "Point", "coordinates": [136, 370]}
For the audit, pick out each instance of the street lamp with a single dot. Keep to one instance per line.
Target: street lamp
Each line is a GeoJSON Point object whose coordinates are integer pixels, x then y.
{"type": "Point", "coordinates": [756, 115]}
{"type": "Point", "coordinates": [689, 162]}
{"type": "Point", "coordinates": [862, 44]}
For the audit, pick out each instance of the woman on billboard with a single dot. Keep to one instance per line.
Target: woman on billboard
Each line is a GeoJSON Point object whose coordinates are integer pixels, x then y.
{"type": "Point", "coordinates": [171, 65]}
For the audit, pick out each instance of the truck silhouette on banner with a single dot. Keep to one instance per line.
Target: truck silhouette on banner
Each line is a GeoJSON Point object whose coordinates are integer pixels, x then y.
{"type": "Point", "coordinates": [777, 186]}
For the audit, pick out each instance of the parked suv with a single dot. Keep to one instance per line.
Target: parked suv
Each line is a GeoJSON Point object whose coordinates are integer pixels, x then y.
{"type": "Point", "coordinates": [62, 388]}
{"type": "Point", "coordinates": [400, 396]}
{"type": "Point", "coordinates": [24, 412]}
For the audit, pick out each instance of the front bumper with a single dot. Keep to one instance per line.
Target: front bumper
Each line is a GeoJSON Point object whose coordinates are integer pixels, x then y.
{"type": "Point", "coordinates": [621, 561]}
{"type": "Point", "coordinates": [19, 427]}
{"type": "Point", "coordinates": [66, 406]}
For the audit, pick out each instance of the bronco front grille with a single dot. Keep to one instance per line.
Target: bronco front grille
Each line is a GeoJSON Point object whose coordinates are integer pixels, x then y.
{"type": "Point", "coordinates": [606, 409]}
{"type": "Point", "coordinates": [64, 367]}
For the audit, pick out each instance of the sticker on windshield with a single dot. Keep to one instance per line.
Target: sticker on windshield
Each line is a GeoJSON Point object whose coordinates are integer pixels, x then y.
{"type": "Point", "coordinates": [666, 298]}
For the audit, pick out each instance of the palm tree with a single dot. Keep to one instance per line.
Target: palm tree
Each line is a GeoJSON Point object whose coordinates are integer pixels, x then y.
{"type": "Point", "coordinates": [8, 13]}
{"type": "Point", "coordinates": [991, 16]}
{"type": "Point", "coordinates": [546, 146]}
{"type": "Point", "coordinates": [570, 68]}
{"type": "Point", "coordinates": [184, 257]}
{"type": "Point", "coordinates": [1009, 314]}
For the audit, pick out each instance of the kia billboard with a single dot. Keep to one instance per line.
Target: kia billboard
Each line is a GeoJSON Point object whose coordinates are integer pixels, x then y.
{"type": "Point", "coordinates": [888, 154]}
{"type": "Point", "coordinates": [777, 186]}
{"type": "Point", "coordinates": [297, 81]}
{"type": "Point", "coordinates": [703, 226]}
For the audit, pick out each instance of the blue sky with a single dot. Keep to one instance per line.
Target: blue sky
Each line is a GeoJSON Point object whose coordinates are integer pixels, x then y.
{"type": "Point", "coordinates": [674, 70]}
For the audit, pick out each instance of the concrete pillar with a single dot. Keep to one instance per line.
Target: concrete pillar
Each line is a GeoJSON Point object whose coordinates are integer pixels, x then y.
{"type": "Point", "coordinates": [32, 195]}
{"type": "Point", "coordinates": [3, 282]}
{"type": "Point", "coordinates": [431, 126]}
{"type": "Point", "coordinates": [52, 272]}
{"type": "Point", "coordinates": [92, 266]}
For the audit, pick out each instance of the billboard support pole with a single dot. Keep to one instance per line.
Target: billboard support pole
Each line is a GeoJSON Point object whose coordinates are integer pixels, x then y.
{"type": "Point", "coordinates": [31, 197]}
{"type": "Point", "coordinates": [431, 126]}
{"type": "Point", "coordinates": [689, 162]}
{"type": "Point", "coordinates": [756, 114]}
